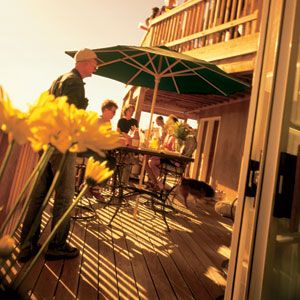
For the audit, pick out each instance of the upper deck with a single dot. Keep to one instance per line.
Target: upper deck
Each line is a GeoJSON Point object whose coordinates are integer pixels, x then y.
{"type": "Point", "coordinates": [224, 32]}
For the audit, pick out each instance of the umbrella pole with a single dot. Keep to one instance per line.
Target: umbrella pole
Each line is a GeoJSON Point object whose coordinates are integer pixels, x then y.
{"type": "Point", "coordinates": [155, 91]}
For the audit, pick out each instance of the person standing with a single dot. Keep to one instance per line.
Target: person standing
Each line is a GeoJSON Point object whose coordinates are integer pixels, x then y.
{"type": "Point", "coordinates": [71, 85]}
{"type": "Point", "coordinates": [146, 25]}
{"type": "Point", "coordinates": [169, 4]}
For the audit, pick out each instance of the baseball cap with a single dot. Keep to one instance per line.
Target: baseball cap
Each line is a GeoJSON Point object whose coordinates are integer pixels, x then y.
{"type": "Point", "coordinates": [85, 54]}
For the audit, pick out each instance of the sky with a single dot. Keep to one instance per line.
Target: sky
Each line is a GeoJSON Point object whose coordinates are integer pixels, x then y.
{"type": "Point", "coordinates": [34, 34]}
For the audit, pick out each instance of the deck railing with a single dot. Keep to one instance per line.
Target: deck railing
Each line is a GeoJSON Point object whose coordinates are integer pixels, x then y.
{"type": "Point", "coordinates": [199, 23]}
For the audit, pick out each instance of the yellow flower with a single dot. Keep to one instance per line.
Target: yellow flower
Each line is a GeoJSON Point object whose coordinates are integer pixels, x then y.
{"type": "Point", "coordinates": [96, 172]}
{"type": "Point", "coordinates": [52, 123]}
{"type": "Point", "coordinates": [13, 121]}
{"type": "Point", "coordinates": [93, 136]}
{"type": "Point", "coordinates": [7, 245]}
{"type": "Point", "coordinates": [44, 99]}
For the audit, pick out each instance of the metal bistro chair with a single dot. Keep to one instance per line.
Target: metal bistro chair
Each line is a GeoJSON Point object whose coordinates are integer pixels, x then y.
{"type": "Point", "coordinates": [172, 171]}
{"type": "Point", "coordinates": [98, 193]}
{"type": "Point", "coordinates": [82, 211]}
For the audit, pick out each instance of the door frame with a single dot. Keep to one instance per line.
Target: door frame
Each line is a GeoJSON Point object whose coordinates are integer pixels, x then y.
{"type": "Point", "coordinates": [249, 285]}
{"type": "Point", "coordinates": [200, 167]}
{"type": "Point", "coordinates": [282, 87]}
{"type": "Point", "coordinates": [235, 287]}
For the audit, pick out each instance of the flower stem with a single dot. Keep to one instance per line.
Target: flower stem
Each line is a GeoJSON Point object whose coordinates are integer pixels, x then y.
{"type": "Point", "coordinates": [46, 200]}
{"type": "Point", "coordinates": [6, 158]}
{"type": "Point", "coordinates": [54, 230]}
{"type": "Point", "coordinates": [36, 174]}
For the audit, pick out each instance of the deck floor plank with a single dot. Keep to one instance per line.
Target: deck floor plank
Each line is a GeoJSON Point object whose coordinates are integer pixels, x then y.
{"type": "Point", "coordinates": [138, 259]}
{"type": "Point", "coordinates": [208, 243]}
{"type": "Point", "coordinates": [163, 247]}
{"type": "Point", "coordinates": [126, 279]}
{"type": "Point", "coordinates": [51, 273]}
{"type": "Point", "coordinates": [108, 284]}
{"type": "Point", "coordinates": [88, 278]}
{"type": "Point", "coordinates": [198, 261]}
{"type": "Point", "coordinates": [68, 283]}
{"type": "Point", "coordinates": [134, 238]}
{"type": "Point", "coordinates": [159, 277]}
{"type": "Point", "coordinates": [29, 284]}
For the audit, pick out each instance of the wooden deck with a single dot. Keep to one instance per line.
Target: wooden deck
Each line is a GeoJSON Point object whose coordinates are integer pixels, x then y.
{"type": "Point", "coordinates": [136, 259]}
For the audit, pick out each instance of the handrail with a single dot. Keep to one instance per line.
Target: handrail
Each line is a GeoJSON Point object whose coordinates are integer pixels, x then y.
{"type": "Point", "coordinates": [199, 23]}
{"type": "Point", "coordinates": [215, 29]}
{"type": "Point", "coordinates": [176, 10]}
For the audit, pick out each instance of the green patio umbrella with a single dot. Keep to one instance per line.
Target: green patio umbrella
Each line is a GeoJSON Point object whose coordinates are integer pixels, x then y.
{"type": "Point", "coordinates": [160, 68]}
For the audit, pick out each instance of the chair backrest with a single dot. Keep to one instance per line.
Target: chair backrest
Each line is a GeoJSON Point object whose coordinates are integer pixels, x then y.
{"type": "Point", "coordinates": [190, 146]}
{"type": "Point", "coordinates": [176, 169]}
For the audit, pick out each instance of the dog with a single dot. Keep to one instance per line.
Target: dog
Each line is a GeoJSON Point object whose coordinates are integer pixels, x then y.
{"type": "Point", "coordinates": [196, 188]}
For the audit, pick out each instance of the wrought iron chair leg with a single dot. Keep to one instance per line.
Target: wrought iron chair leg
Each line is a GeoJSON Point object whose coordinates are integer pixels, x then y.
{"type": "Point", "coordinates": [164, 212]}
{"type": "Point", "coordinates": [114, 215]}
{"type": "Point", "coordinates": [117, 184]}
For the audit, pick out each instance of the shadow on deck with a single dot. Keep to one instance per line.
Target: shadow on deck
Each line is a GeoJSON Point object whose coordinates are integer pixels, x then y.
{"type": "Point", "coordinates": [135, 259]}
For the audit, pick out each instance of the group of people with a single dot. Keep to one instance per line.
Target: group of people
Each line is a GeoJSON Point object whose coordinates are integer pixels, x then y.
{"type": "Point", "coordinates": [156, 11]}
{"type": "Point", "coordinates": [71, 85]}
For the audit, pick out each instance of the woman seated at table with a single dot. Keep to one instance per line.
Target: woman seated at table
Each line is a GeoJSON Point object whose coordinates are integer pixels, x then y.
{"type": "Point", "coordinates": [128, 126]}
{"type": "Point", "coordinates": [153, 163]}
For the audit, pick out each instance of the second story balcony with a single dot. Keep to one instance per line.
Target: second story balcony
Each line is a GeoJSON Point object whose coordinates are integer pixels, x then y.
{"type": "Point", "coordinates": [221, 31]}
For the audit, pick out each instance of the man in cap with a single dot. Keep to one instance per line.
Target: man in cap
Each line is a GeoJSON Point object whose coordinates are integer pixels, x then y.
{"type": "Point", "coordinates": [71, 85]}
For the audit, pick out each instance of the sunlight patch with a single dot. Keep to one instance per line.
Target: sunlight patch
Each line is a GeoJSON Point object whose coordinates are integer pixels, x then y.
{"type": "Point", "coordinates": [225, 251]}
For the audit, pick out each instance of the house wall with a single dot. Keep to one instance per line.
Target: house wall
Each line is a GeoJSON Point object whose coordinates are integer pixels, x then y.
{"type": "Point", "coordinates": [230, 144]}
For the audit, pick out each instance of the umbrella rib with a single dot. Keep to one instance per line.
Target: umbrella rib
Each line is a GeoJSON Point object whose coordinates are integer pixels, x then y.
{"type": "Point", "coordinates": [185, 72]}
{"type": "Point", "coordinates": [173, 78]}
{"type": "Point", "coordinates": [151, 59]}
{"type": "Point", "coordinates": [139, 72]}
{"type": "Point", "coordinates": [136, 63]}
{"type": "Point", "coordinates": [134, 76]}
{"type": "Point", "coordinates": [142, 68]}
{"type": "Point", "coordinates": [125, 56]}
{"type": "Point", "coordinates": [223, 74]}
{"type": "Point", "coordinates": [160, 64]}
{"type": "Point", "coordinates": [169, 67]}
{"type": "Point", "coordinates": [203, 78]}
{"type": "Point", "coordinates": [178, 74]}
{"type": "Point", "coordinates": [118, 59]}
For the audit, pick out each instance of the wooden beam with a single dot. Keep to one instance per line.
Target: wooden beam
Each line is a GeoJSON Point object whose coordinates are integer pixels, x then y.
{"type": "Point", "coordinates": [244, 65]}
{"type": "Point", "coordinates": [196, 111]}
{"type": "Point", "coordinates": [163, 110]}
{"type": "Point", "coordinates": [236, 47]}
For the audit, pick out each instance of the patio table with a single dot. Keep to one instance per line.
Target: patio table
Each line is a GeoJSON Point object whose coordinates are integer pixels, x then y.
{"type": "Point", "coordinates": [157, 197]}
